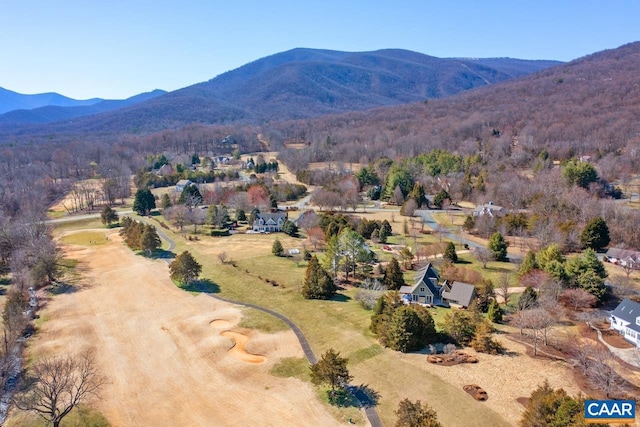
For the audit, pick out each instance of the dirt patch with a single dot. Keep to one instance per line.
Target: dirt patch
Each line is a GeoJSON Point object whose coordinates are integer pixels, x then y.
{"type": "Point", "coordinates": [476, 392]}
{"type": "Point", "coordinates": [452, 359]}
{"type": "Point", "coordinates": [157, 345]}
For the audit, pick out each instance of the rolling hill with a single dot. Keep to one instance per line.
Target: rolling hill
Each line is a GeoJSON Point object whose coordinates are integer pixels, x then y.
{"type": "Point", "coordinates": [53, 113]}
{"type": "Point", "coordinates": [305, 83]}
{"type": "Point", "coordinates": [10, 101]}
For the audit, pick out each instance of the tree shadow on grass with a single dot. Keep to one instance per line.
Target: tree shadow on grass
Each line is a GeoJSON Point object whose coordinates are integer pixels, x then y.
{"type": "Point", "coordinates": [462, 261]}
{"type": "Point", "coordinates": [366, 396]}
{"type": "Point", "coordinates": [60, 288]}
{"type": "Point", "coordinates": [204, 286]}
{"type": "Point", "coordinates": [341, 298]}
{"type": "Point", "coordinates": [159, 254]}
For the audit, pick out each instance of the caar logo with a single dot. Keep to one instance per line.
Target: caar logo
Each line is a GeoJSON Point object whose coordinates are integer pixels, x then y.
{"type": "Point", "coordinates": [610, 411]}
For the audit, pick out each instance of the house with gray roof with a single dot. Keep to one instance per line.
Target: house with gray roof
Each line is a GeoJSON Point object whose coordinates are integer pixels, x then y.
{"type": "Point", "coordinates": [425, 289]}
{"type": "Point", "coordinates": [269, 222]}
{"type": "Point", "coordinates": [626, 320]}
{"type": "Point", "coordinates": [182, 184]}
{"type": "Point", "coordinates": [623, 257]}
{"type": "Point", "coordinates": [489, 209]}
{"type": "Point", "coordinates": [458, 294]}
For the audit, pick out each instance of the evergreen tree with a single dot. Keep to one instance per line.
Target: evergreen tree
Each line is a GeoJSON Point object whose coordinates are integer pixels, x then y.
{"type": "Point", "coordinates": [393, 278]}
{"type": "Point", "coordinates": [415, 415]}
{"type": "Point", "coordinates": [290, 228]}
{"type": "Point", "coordinates": [482, 340]}
{"type": "Point", "coordinates": [439, 198]}
{"type": "Point", "coordinates": [548, 254]}
{"type": "Point", "coordinates": [108, 215]}
{"type": "Point", "coordinates": [385, 231]}
{"type": "Point", "coordinates": [150, 241]}
{"type": "Point", "coordinates": [528, 298]}
{"type": "Point", "coordinates": [450, 253]}
{"type": "Point", "coordinates": [184, 268]}
{"type": "Point", "coordinates": [277, 248]}
{"type": "Point", "coordinates": [418, 194]}
{"type": "Point", "coordinates": [385, 306]}
{"type": "Point", "coordinates": [165, 202]}
{"type": "Point", "coordinates": [495, 312]}
{"type": "Point", "coordinates": [528, 263]}
{"type": "Point", "coordinates": [317, 282]}
{"type": "Point", "coordinates": [549, 407]}
{"type": "Point", "coordinates": [144, 202]}
{"type": "Point", "coordinates": [469, 224]}
{"type": "Point", "coordinates": [595, 234]}
{"type": "Point", "coordinates": [409, 331]}
{"type": "Point", "coordinates": [498, 246]}
{"type": "Point", "coordinates": [331, 369]}
{"type": "Point", "coordinates": [241, 215]}
{"type": "Point", "coordinates": [592, 283]}
{"type": "Point", "coordinates": [460, 326]}
{"type": "Point", "coordinates": [191, 196]}
{"type": "Point", "coordinates": [253, 215]}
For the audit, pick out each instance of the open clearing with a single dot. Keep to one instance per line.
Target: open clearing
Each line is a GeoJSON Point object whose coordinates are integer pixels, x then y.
{"type": "Point", "coordinates": [164, 350]}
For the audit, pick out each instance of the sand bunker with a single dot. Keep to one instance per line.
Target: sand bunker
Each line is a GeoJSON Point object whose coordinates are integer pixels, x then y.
{"type": "Point", "coordinates": [220, 323]}
{"type": "Point", "coordinates": [238, 350]}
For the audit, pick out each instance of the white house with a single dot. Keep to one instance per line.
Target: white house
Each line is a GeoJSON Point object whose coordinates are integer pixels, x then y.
{"type": "Point", "coordinates": [626, 320]}
{"type": "Point", "coordinates": [182, 184]}
{"type": "Point", "coordinates": [268, 222]}
{"type": "Point", "coordinates": [489, 209]}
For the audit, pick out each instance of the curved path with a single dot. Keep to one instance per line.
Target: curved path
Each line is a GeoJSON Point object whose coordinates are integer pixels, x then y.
{"type": "Point", "coordinates": [365, 402]}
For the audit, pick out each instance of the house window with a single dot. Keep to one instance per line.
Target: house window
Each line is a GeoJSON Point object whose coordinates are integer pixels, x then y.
{"type": "Point", "coordinates": [414, 297]}
{"type": "Point", "coordinates": [421, 289]}
{"type": "Point", "coordinates": [638, 320]}
{"type": "Point", "coordinates": [428, 299]}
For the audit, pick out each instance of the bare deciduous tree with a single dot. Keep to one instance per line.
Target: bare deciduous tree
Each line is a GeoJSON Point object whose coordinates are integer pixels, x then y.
{"type": "Point", "coordinates": [502, 290]}
{"type": "Point", "coordinates": [602, 373]}
{"type": "Point", "coordinates": [57, 385]}
{"type": "Point", "coordinates": [483, 255]}
{"type": "Point", "coordinates": [578, 299]}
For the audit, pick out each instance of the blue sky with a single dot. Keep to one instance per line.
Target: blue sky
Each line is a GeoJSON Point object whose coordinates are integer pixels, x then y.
{"type": "Point", "coordinates": [116, 49]}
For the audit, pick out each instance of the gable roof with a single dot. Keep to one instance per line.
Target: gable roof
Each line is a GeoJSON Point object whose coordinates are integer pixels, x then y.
{"type": "Point", "coordinates": [461, 292]}
{"type": "Point", "coordinates": [628, 311]}
{"type": "Point", "coordinates": [618, 253]}
{"type": "Point", "coordinates": [271, 218]}
{"type": "Point", "coordinates": [184, 182]}
{"type": "Point", "coordinates": [423, 276]}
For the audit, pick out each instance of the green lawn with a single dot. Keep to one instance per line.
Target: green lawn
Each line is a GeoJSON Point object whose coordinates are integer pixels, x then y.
{"type": "Point", "coordinates": [340, 323]}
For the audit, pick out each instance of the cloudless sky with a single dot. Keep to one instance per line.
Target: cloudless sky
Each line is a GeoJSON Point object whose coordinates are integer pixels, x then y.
{"type": "Point", "coordinates": [118, 48]}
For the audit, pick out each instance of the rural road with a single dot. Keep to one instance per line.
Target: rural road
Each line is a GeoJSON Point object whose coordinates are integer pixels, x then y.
{"type": "Point", "coordinates": [365, 402]}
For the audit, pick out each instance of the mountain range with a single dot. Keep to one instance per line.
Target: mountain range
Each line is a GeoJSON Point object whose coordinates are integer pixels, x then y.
{"type": "Point", "coordinates": [56, 112]}
{"type": "Point", "coordinates": [10, 101]}
{"type": "Point", "coordinates": [300, 83]}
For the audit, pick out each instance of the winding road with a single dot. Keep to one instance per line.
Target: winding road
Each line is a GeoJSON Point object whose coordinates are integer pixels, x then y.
{"type": "Point", "coordinates": [366, 403]}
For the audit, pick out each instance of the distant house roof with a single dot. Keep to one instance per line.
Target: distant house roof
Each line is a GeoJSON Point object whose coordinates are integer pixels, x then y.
{"type": "Point", "coordinates": [621, 254]}
{"type": "Point", "coordinates": [184, 182]}
{"type": "Point", "coordinates": [488, 209]}
{"type": "Point", "coordinates": [459, 293]}
{"type": "Point", "coordinates": [629, 311]}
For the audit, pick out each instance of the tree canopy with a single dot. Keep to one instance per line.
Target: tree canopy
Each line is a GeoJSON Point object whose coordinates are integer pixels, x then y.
{"type": "Point", "coordinates": [184, 268]}
{"type": "Point", "coordinates": [144, 202]}
{"type": "Point", "coordinates": [331, 369]}
{"type": "Point", "coordinates": [410, 414]}
{"type": "Point", "coordinates": [595, 234]}
{"type": "Point", "coordinates": [317, 282]}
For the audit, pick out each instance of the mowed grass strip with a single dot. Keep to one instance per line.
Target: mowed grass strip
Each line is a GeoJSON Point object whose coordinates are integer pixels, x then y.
{"type": "Point", "coordinates": [85, 238]}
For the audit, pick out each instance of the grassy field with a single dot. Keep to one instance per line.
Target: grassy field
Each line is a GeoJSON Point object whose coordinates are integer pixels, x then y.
{"type": "Point", "coordinates": [252, 274]}
{"type": "Point", "coordinates": [264, 279]}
